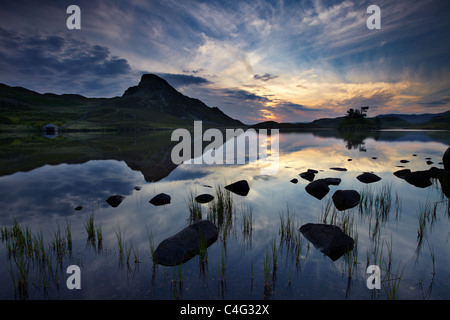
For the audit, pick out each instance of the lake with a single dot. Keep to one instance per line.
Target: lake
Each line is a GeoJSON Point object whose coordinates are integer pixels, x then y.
{"type": "Point", "coordinates": [259, 253]}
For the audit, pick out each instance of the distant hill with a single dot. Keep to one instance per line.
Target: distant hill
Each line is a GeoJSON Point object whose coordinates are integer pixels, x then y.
{"type": "Point", "coordinates": [385, 121]}
{"type": "Point", "coordinates": [152, 104]}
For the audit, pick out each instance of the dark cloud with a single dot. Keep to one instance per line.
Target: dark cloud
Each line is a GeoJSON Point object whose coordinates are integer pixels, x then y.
{"type": "Point", "coordinates": [436, 103]}
{"type": "Point", "coordinates": [265, 77]}
{"type": "Point", "coordinates": [244, 95]}
{"type": "Point", "coordinates": [54, 63]}
{"type": "Point", "coordinates": [181, 80]}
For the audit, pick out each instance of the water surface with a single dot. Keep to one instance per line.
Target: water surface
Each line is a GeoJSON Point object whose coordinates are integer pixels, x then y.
{"type": "Point", "coordinates": [41, 188]}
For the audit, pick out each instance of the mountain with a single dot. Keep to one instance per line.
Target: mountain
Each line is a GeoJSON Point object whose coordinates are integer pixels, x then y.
{"type": "Point", "coordinates": [385, 121]}
{"type": "Point", "coordinates": [413, 118]}
{"type": "Point", "coordinates": [152, 104]}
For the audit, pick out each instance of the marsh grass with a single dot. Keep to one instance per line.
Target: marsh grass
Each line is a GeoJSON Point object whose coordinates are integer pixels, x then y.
{"type": "Point", "coordinates": [28, 252]}
{"type": "Point", "coordinates": [151, 244]}
{"type": "Point", "coordinates": [195, 208]}
{"type": "Point", "coordinates": [90, 228]}
{"type": "Point", "coordinates": [120, 241]}
{"type": "Point", "coordinates": [220, 211]}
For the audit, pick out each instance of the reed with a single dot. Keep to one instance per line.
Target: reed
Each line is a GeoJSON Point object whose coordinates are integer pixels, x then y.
{"type": "Point", "coordinates": [151, 244]}
{"type": "Point", "coordinates": [120, 241]}
{"type": "Point", "coordinates": [195, 208]}
{"type": "Point", "coordinates": [90, 229]}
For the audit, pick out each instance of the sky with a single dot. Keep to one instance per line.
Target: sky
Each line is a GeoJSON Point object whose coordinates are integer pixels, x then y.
{"type": "Point", "coordinates": [285, 61]}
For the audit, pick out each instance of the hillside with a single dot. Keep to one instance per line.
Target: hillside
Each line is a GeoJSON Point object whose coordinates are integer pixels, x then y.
{"type": "Point", "coordinates": [152, 104]}
{"type": "Point", "coordinates": [388, 121]}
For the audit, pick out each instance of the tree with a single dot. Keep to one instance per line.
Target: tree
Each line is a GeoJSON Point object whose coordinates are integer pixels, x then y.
{"type": "Point", "coordinates": [356, 114]}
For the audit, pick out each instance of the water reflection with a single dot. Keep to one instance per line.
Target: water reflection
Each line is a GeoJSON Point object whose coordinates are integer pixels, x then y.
{"type": "Point", "coordinates": [260, 252]}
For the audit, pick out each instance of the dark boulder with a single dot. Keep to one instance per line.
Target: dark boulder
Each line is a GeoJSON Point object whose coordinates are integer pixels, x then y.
{"type": "Point", "coordinates": [332, 181]}
{"type": "Point", "coordinates": [160, 199]}
{"type": "Point", "coordinates": [404, 161]}
{"type": "Point", "coordinates": [420, 179]}
{"type": "Point", "coordinates": [115, 200]}
{"type": "Point", "coordinates": [294, 180]}
{"type": "Point", "coordinates": [401, 173]}
{"type": "Point", "coordinates": [204, 198]}
{"type": "Point", "coordinates": [240, 187]}
{"type": "Point", "coordinates": [318, 188]}
{"type": "Point", "coordinates": [368, 177]}
{"type": "Point", "coordinates": [446, 159]}
{"type": "Point", "coordinates": [78, 208]}
{"type": "Point", "coordinates": [186, 244]}
{"type": "Point", "coordinates": [308, 175]}
{"type": "Point", "coordinates": [346, 199]}
{"type": "Point", "coordinates": [329, 239]}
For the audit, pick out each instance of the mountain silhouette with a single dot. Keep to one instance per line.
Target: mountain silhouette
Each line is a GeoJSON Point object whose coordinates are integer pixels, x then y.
{"type": "Point", "coordinates": [152, 104]}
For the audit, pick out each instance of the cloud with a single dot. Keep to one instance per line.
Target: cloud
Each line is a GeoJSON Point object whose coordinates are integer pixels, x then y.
{"type": "Point", "coordinates": [265, 77]}
{"type": "Point", "coordinates": [181, 80]}
{"type": "Point", "coordinates": [437, 103]}
{"type": "Point", "coordinates": [55, 63]}
{"type": "Point", "coordinates": [244, 95]}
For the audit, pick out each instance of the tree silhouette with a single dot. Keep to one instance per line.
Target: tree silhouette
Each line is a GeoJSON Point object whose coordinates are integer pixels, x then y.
{"type": "Point", "coordinates": [356, 114]}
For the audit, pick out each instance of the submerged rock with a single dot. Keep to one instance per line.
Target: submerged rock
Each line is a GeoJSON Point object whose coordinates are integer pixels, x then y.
{"type": "Point", "coordinates": [240, 187]}
{"type": "Point", "coordinates": [78, 208]}
{"type": "Point", "coordinates": [186, 244]}
{"type": "Point", "coordinates": [294, 180]}
{"type": "Point", "coordinates": [115, 200]}
{"type": "Point", "coordinates": [160, 199]}
{"type": "Point", "coordinates": [368, 177]}
{"type": "Point", "coordinates": [338, 169]}
{"type": "Point", "coordinates": [204, 198]}
{"type": "Point", "coordinates": [329, 239]}
{"type": "Point", "coordinates": [346, 199]}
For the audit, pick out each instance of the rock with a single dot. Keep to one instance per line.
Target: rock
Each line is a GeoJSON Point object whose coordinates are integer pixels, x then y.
{"type": "Point", "coordinates": [349, 159]}
{"type": "Point", "coordinates": [374, 158]}
{"type": "Point", "coordinates": [137, 188]}
{"type": "Point", "coordinates": [429, 162]}
{"type": "Point", "coordinates": [404, 161]}
{"type": "Point", "coordinates": [338, 169]}
{"type": "Point", "coordinates": [446, 159]}
{"type": "Point", "coordinates": [115, 200]}
{"type": "Point", "coordinates": [240, 187]}
{"type": "Point", "coordinates": [308, 175]}
{"type": "Point", "coordinates": [78, 208]}
{"type": "Point", "coordinates": [294, 180]}
{"type": "Point", "coordinates": [420, 179]}
{"type": "Point", "coordinates": [329, 239]}
{"type": "Point", "coordinates": [368, 177]}
{"type": "Point", "coordinates": [346, 199]}
{"type": "Point", "coordinates": [318, 188]}
{"type": "Point", "coordinates": [401, 173]}
{"type": "Point", "coordinates": [160, 199]}
{"type": "Point", "coordinates": [185, 245]}
{"type": "Point", "coordinates": [204, 198]}
{"type": "Point", "coordinates": [332, 181]}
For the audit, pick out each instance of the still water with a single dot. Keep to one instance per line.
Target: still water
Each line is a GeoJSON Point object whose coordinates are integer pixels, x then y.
{"type": "Point", "coordinates": [259, 253]}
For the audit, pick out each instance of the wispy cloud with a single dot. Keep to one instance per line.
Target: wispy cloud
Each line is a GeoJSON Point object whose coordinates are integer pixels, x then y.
{"type": "Point", "coordinates": [255, 60]}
